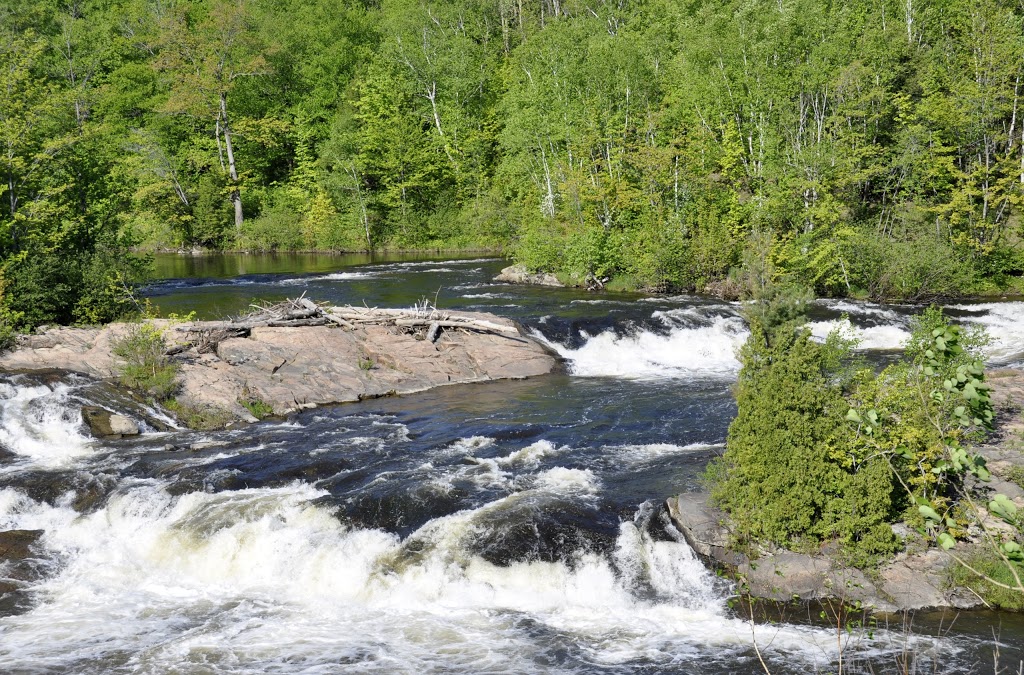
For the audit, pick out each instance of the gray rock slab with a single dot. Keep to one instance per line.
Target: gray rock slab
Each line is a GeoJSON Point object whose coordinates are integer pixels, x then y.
{"type": "Point", "coordinates": [300, 367]}
{"type": "Point", "coordinates": [913, 582]}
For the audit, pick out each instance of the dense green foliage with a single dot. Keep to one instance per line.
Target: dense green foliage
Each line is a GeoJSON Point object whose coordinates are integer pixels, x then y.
{"type": "Point", "coordinates": [820, 452]}
{"type": "Point", "coordinates": [881, 141]}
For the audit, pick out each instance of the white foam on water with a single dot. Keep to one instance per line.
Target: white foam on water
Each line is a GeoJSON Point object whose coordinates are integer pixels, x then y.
{"type": "Point", "coordinates": [708, 350]}
{"type": "Point", "coordinates": [576, 482]}
{"type": "Point", "coordinates": [264, 580]}
{"type": "Point", "coordinates": [653, 451]}
{"type": "Point", "coordinates": [861, 309]}
{"type": "Point", "coordinates": [334, 276]}
{"type": "Point", "coordinates": [492, 296]}
{"type": "Point", "coordinates": [531, 455]}
{"type": "Point", "coordinates": [1004, 323]}
{"type": "Point", "coordinates": [42, 425]}
{"type": "Point", "coordinates": [493, 472]}
{"type": "Point", "coordinates": [871, 337]}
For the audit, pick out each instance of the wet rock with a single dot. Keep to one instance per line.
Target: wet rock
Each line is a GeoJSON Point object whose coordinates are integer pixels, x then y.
{"type": "Point", "coordinates": [17, 560]}
{"type": "Point", "coordinates": [104, 424]}
{"type": "Point", "coordinates": [704, 527]}
{"type": "Point", "coordinates": [15, 545]}
{"type": "Point", "coordinates": [81, 491]}
{"type": "Point", "coordinates": [518, 274]}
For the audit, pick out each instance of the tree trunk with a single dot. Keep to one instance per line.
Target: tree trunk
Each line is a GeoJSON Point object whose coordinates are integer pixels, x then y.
{"type": "Point", "coordinates": [236, 197]}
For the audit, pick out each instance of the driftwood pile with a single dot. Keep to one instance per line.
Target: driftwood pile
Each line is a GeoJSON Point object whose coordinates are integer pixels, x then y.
{"type": "Point", "coordinates": [204, 335]}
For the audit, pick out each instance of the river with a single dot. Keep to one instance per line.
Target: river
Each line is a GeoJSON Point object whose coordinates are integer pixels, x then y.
{"type": "Point", "coordinates": [507, 527]}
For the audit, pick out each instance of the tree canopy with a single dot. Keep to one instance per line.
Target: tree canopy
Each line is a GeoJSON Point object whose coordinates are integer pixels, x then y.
{"type": "Point", "coordinates": [880, 141]}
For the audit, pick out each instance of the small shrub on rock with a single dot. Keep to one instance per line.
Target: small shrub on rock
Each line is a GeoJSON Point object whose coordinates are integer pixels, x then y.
{"type": "Point", "coordinates": [145, 367]}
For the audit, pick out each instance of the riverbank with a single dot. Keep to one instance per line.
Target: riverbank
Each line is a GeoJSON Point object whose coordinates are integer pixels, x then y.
{"type": "Point", "coordinates": [918, 578]}
{"type": "Point", "coordinates": [281, 369]}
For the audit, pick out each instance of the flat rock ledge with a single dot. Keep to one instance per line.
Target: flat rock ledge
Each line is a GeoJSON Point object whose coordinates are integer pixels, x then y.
{"type": "Point", "coordinates": [293, 368]}
{"type": "Point", "coordinates": [911, 582]}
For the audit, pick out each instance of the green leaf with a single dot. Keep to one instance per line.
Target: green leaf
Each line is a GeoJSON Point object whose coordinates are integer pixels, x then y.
{"type": "Point", "coordinates": [853, 416]}
{"type": "Point", "coordinates": [1012, 550]}
{"type": "Point", "coordinates": [929, 513]}
{"type": "Point", "coordinates": [1004, 508]}
{"type": "Point", "coordinates": [946, 541]}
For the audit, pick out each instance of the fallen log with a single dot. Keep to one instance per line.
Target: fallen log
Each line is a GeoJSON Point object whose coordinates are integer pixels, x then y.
{"type": "Point", "coordinates": [331, 316]}
{"type": "Point", "coordinates": [295, 323]}
{"type": "Point", "coordinates": [486, 326]}
{"type": "Point", "coordinates": [205, 335]}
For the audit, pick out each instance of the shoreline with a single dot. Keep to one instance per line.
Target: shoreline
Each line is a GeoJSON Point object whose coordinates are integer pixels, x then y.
{"type": "Point", "coordinates": [918, 578]}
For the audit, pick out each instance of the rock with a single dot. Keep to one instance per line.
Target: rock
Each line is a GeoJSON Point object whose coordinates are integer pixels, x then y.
{"type": "Point", "coordinates": [104, 424]}
{"type": "Point", "coordinates": [15, 545]}
{"type": "Point", "coordinates": [124, 426]}
{"type": "Point", "coordinates": [917, 581]}
{"type": "Point", "coordinates": [914, 582]}
{"type": "Point", "coordinates": [16, 561]}
{"type": "Point", "coordinates": [518, 274]}
{"type": "Point", "coordinates": [293, 368]}
{"type": "Point", "coordinates": [704, 527]}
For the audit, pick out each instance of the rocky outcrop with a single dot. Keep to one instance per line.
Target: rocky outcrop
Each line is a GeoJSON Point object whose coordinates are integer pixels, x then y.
{"type": "Point", "coordinates": [291, 368]}
{"type": "Point", "coordinates": [105, 424]}
{"type": "Point", "coordinates": [912, 581]}
{"type": "Point", "coordinates": [518, 274]}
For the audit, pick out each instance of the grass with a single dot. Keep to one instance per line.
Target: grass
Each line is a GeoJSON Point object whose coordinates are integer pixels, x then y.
{"type": "Point", "coordinates": [1016, 476]}
{"type": "Point", "coordinates": [199, 417]}
{"type": "Point", "coordinates": [992, 566]}
{"type": "Point", "coordinates": [259, 408]}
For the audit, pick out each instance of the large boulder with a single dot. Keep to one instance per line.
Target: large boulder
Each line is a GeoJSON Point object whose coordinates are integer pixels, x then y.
{"type": "Point", "coordinates": [518, 274]}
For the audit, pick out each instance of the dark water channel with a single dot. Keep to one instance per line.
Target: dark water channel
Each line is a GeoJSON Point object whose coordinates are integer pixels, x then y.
{"type": "Point", "coordinates": [504, 528]}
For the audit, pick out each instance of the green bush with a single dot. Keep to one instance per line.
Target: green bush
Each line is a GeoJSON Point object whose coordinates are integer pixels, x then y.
{"type": "Point", "coordinates": [819, 451]}
{"type": "Point", "coordinates": [199, 417]}
{"type": "Point", "coordinates": [781, 474]}
{"type": "Point", "coordinates": [145, 368]}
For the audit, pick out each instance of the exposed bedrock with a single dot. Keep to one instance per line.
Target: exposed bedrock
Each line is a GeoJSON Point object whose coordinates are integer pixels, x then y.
{"type": "Point", "coordinates": [290, 368]}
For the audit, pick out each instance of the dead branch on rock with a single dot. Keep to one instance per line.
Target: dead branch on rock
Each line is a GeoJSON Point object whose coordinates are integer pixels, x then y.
{"type": "Point", "coordinates": [205, 335]}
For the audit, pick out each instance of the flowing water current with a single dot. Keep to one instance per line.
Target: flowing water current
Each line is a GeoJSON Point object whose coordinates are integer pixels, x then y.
{"type": "Point", "coordinates": [508, 527]}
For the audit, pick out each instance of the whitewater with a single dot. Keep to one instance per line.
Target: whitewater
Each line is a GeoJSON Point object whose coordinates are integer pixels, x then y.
{"type": "Point", "coordinates": [502, 528]}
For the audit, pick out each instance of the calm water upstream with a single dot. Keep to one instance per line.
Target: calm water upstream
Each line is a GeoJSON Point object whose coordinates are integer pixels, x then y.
{"type": "Point", "coordinates": [511, 527]}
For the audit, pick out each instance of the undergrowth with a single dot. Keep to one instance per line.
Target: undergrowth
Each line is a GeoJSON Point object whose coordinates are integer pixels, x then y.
{"type": "Point", "coordinates": [145, 368]}
{"type": "Point", "coordinates": [199, 417]}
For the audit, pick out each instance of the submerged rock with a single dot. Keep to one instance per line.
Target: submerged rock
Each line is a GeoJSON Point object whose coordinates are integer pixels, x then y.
{"type": "Point", "coordinates": [104, 424]}
{"type": "Point", "coordinates": [518, 274]}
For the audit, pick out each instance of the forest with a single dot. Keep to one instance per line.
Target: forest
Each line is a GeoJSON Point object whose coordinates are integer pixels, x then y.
{"type": "Point", "coordinates": [878, 144]}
